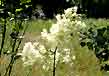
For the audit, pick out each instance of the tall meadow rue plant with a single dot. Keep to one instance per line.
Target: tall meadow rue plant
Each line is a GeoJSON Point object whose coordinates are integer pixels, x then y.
{"type": "Point", "coordinates": [56, 46]}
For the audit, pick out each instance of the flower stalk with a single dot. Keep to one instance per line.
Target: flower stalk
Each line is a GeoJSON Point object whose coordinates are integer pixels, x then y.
{"type": "Point", "coordinates": [3, 37]}
{"type": "Point", "coordinates": [54, 63]}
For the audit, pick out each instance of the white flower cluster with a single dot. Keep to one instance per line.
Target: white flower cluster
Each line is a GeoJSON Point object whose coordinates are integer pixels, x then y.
{"type": "Point", "coordinates": [60, 36]}
{"type": "Point", "coordinates": [67, 24]}
{"type": "Point", "coordinates": [30, 54]}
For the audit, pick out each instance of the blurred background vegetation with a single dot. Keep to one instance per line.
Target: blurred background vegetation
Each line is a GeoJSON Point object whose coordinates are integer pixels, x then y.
{"type": "Point", "coordinates": [92, 8]}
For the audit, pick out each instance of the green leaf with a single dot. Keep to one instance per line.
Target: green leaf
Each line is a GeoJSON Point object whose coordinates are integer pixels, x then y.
{"type": "Point", "coordinates": [18, 10]}
{"type": "Point", "coordinates": [0, 2]}
{"type": "Point", "coordinates": [25, 1]}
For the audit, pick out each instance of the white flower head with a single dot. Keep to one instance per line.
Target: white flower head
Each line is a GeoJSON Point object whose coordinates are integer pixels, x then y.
{"type": "Point", "coordinates": [28, 48]}
{"type": "Point", "coordinates": [74, 57]}
{"type": "Point", "coordinates": [83, 25]}
{"type": "Point", "coordinates": [67, 51]}
{"type": "Point", "coordinates": [29, 54]}
{"type": "Point", "coordinates": [57, 56]}
{"type": "Point", "coordinates": [49, 37]}
{"type": "Point", "coordinates": [78, 23]}
{"type": "Point", "coordinates": [44, 33]}
{"type": "Point", "coordinates": [54, 29]}
{"type": "Point", "coordinates": [42, 49]}
{"type": "Point", "coordinates": [45, 67]}
{"type": "Point", "coordinates": [75, 8]}
{"type": "Point", "coordinates": [58, 17]}
{"type": "Point", "coordinates": [67, 11]}
{"type": "Point", "coordinates": [66, 59]}
{"type": "Point", "coordinates": [35, 44]}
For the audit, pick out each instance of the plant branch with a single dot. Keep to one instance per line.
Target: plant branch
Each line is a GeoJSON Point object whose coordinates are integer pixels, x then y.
{"type": "Point", "coordinates": [54, 63]}
{"type": "Point", "coordinates": [3, 37]}
{"type": "Point", "coordinates": [9, 68]}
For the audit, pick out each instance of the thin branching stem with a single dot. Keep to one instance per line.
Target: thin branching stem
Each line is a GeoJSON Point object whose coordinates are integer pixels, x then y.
{"type": "Point", "coordinates": [3, 37]}
{"type": "Point", "coordinates": [12, 60]}
{"type": "Point", "coordinates": [14, 51]}
{"type": "Point", "coordinates": [54, 62]}
{"type": "Point", "coordinates": [9, 68]}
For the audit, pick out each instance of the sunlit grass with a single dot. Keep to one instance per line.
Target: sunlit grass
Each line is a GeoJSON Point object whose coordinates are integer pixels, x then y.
{"type": "Point", "coordinates": [36, 26]}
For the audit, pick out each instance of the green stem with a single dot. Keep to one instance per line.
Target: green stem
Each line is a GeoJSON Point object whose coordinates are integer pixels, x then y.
{"type": "Point", "coordinates": [3, 37]}
{"type": "Point", "coordinates": [9, 68]}
{"type": "Point", "coordinates": [1, 2]}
